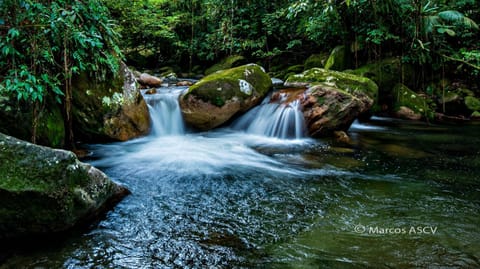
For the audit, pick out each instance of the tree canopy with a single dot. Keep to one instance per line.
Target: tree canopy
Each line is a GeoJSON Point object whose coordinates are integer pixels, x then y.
{"type": "Point", "coordinates": [43, 44]}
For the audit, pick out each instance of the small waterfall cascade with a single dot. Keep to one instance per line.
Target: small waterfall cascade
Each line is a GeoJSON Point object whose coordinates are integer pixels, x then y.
{"type": "Point", "coordinates": [277, 116]}
{"type": "Point", "coordinates": [165, 111]}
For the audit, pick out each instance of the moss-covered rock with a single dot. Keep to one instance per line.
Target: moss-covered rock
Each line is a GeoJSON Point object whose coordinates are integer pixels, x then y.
{"type": "Point", "coordinates": [475, 115]}
{"type": "Point", "coordinates": [472, 103]}
{"type": "Point", "coordinates": [338, 59]}
{"type": "Point", "coordinates": [227, 63]}
{"type": "Point", "coordinates": [111, 110]}
{"type": "Point", "coordinates": [316, 60]}
{"type": "Point", "coordinates": [295, 69]}
{"type": "Point", "coordinates": [348, 82]}
{"type": "Point", "coordinates": [51, 127]}
{"type": "Point", "coordinates": [328, 109]}
{"type": "Point", "coordinates": [17, 120]}
{"type": "Point", "coordinates": [216, 98]}
{"type": "Point", "coordinates": [387, 72]}
{"type": "Point", "coordinates": [43, 190]}
{"type": "Point", "coordinates": [286, 71]}
{"type": "Point", "coordinates": [406, 98]}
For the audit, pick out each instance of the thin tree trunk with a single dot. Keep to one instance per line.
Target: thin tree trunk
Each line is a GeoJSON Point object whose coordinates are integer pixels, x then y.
{"type": "Point", "coordinates": [34, 123]}
{"type": "Point", "coordinates": [69, 139]}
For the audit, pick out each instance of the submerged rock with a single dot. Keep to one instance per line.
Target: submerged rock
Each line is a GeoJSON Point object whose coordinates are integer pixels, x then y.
{"type": "Point", "coordinates": [112, 110]}
{"type": "Point", "coordinates": [216, 98]}
{"type": "Point", "coordinates": [43, 190]}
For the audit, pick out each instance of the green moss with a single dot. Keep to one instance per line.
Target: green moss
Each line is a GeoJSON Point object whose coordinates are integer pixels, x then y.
{"type": "Point", "coordinates": [476, 115]}
{"type": "Point", "coordinates": [295, 69]}
{"type": "Point", "coordinates": [25, 167]}
{"type": "Point", "coordinates": [229, 62]}
{"type": "Point", "coordinates": [450, 97]}
{"type": "Point", "coordinates": [52, 128]}
{"type": "Point", "coordinates": [40, 188]}
{"type": "Point", "coordinates": [387, 72]}
{"type": "Point", "coordinates": [403, 96]}
{"type": "Point", "coordinates": [91, 102]}
{"type": "Point", "coordinates": [472, 103]}
{"type": "Point", "coordinates": [316, 60]}
{"type": "Point", "coordinates": [348, 82]}
{"type": "Point", "coordinates": [224, 85]}
{"type": "Point", "coordinates": [337, 59]}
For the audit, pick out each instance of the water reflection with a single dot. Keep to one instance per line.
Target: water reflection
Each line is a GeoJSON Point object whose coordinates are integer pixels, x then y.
{"type": "Point", "coordinates": [228, 199]}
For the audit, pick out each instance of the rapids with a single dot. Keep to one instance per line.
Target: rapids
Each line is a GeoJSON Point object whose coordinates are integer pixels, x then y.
{"type": "Point", "coordinates": [266, 198]}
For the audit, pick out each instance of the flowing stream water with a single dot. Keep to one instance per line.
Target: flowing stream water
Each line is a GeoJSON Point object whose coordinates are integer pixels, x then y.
{"type": "Point", "coordinates": [401, 195]}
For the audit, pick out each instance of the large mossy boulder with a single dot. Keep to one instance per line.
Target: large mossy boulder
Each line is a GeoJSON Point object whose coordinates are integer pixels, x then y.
{"type": "Point", "coordinates": [110, 110]}
{"type": "Point", "coordinates": [350, 83]}
{"type": "Point", "coordinates": [410, 105]}
{"type": "Point", "coordinates": [43, 190]}
{"type": "Point", "coordinates": [226, 63]}
{"type": "Point", "coordinates": [328, 109]}
{"type": "Point", "coordinates": [218, 97]}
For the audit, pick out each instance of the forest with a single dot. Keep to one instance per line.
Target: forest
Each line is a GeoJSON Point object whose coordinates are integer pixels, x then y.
{"type": "Point", "coordinates": [44, 44]}
{"type": "Point", "coordinates": [239, 134]}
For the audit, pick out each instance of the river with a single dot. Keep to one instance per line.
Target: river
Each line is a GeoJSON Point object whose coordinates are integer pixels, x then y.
{"type": "Point", "coordinates": [401, 195]}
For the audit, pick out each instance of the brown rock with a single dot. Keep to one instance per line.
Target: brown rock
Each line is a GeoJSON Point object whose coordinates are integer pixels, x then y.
{"type": "Point", "coordinates": [218, 97]}
{"type": "Point", "coordinates": [111, 110]}
{"type": "Point", "coordinates": [328, 109]}
{"type": "Point", "coordinates": [149, 80]}
{"type": "Point", "coordinates": [184, 83]}
{"type": "Point", "coordinates": [151, 91]}
{"type": "Point", "coordinates": [407, 113]}
{"type": "Point", "coordinates": [341, 136]}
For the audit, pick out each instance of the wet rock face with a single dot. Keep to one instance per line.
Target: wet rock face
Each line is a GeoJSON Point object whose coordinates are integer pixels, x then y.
{"type": "Point", "coordinates": [347, 82]}
{"type": "Point", "coordinates": [149, 80]}
{"type": "Point", "coordinates": [43, 190]}
{"type": "Point", "coordinates": [328, 109]}
{"type": "Point", "coordinates": [218, 97]}
{"type": "Point", "coordinates": [409, 105]}
{"type": "Point", "coordinates": [110, 110]}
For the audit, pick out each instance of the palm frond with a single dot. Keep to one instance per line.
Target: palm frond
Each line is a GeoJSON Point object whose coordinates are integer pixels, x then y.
{"type": "Point", "coordinates": [451, 15]}
{"type": "Point", "coordinates": [457, 17]}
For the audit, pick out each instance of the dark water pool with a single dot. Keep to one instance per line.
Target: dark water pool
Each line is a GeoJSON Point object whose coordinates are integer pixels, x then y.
{"type": "Point", "coordinates": [401, 195]}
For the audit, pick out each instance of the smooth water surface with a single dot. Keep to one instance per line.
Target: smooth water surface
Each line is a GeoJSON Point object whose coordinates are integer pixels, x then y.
{"type": "Point", "coordinates": [228, 199]}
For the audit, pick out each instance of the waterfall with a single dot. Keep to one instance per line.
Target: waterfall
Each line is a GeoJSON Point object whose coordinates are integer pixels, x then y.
{"type": "Point", "coordinates": [280, 118]}
{"type": "Point", "coordinates": [165, 112]}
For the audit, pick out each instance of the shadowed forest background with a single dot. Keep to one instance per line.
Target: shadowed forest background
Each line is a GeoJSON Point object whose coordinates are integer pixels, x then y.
{"type": "Point", "coordinates": [45, 44]}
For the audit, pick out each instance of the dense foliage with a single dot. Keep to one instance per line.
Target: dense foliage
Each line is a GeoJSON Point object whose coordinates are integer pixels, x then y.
{"type": "Point", "coordinates": [44, 43]}
{"type": "Point", "coordinates": [424, 32]}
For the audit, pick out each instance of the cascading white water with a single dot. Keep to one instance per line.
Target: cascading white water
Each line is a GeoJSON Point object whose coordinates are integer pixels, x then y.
{"type": "Point", "coordinates": [278, 118]}
{"type": "Point", "coordinates": [165, 112]}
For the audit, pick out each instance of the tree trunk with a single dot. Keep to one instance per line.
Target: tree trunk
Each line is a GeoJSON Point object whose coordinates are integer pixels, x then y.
{"type": "Point", "coordinates": [34, 122]}
{"type": "Point", "coordinates": [69, 139]}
